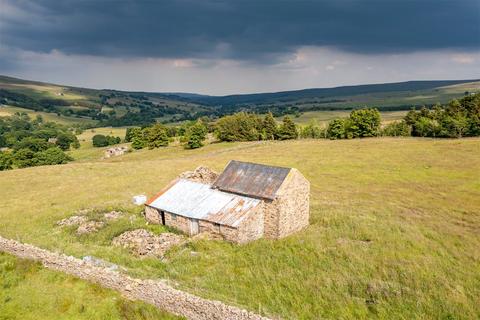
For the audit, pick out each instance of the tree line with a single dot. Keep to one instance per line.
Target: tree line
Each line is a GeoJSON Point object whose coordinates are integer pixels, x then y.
{"type": "Point", "coordinates": [25, 142]}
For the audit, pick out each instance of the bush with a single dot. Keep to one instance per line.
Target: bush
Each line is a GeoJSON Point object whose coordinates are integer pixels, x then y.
{"type": "Point", "coordinates": [312, 131]}
{"type": "Point", "coordinates": [397, 129]}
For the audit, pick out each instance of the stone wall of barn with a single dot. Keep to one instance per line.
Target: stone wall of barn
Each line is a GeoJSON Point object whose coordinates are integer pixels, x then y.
{"type": "Point", "coordinates": [152, 215]}
{"type": "Point", "coordinates": [177, 222]}
{"type": "Point", "coordinates": [290, 212]}
{"type": "Point", "coordinates": [271, 215]}
{"type": "Point", "coordinates": [294, 204]}
{"type": "Point", "coordinates": [252, 228]}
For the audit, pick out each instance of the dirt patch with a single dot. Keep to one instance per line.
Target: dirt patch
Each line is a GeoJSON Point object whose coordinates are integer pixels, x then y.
{"type": "Point", "coordinates": [202, 174]}
{"type": "Point", "coordinates": [144, 243]}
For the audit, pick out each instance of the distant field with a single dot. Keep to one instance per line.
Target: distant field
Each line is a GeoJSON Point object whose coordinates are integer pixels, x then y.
{"type": "Point", "coordinates": [394, 227]}
{"type": "Point", "coordinates": [323, 117]}
{"type": "Point", "coordinates": [31, 292]}
{"type": "Point", "coordinates": [47, 116]}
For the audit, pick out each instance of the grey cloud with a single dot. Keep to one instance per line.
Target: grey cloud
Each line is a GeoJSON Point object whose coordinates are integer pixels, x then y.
{"type": "Point", "coordinates": [243, 30]}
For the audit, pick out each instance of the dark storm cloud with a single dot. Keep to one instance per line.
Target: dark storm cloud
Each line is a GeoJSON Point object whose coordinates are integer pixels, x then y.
{"type": "Point", "coordinates": [244, 30]}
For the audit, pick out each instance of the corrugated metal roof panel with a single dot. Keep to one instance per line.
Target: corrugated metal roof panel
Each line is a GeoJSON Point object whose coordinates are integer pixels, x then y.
{"type": "Point", "coordinates": [251, 179]}
{"type": "Point", "coordinates": [199, 201]}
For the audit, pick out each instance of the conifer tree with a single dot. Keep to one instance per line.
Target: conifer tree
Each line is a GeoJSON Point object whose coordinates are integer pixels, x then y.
{"type": "Point", "coordinates": [269, 127]}
{"type": "Point", "coordinates": [288, 129]}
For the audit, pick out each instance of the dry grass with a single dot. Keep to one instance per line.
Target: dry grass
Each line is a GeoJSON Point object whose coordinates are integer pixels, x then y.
{"type": "Point", "coordinates": [394, 231]}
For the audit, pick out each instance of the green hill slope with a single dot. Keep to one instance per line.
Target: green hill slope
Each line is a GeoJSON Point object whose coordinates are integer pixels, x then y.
{"type": "Point", "coordinates": [393, 228]}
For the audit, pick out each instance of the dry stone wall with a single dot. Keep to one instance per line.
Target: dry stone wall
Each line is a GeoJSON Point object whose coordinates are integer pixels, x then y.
{"type": "Point", "coordinates": [155, 292]}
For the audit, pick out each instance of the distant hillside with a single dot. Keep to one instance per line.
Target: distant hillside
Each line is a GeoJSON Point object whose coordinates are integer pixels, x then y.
{"type": "Point", "coordinates": [323, 93]}
{"type": "Point", "coordinates": [106, 107]}
{"type": "Point", "coordinates": [120, 108]}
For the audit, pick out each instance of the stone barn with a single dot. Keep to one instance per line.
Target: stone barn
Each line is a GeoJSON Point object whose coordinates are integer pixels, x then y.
{"type": "Point", "coordinates": [245, 202]}
{"type": "Point", "coordinates": [115, 151]}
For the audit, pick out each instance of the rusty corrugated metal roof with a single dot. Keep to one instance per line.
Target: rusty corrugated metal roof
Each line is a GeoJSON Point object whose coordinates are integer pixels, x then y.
{"type": "Point", "coordinates": [199, 201]}
{"type": "Point", "coordinates": [251, 179]}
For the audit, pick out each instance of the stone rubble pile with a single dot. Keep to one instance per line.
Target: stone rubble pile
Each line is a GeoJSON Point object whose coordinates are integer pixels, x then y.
{"type": "Point", "coordinates": [72, 221]}
{"type": "Point", "coordinates": [113, 215]}
{"type": "Point", "coordinates": [201, 174]}
{"type": "Point", "coordinates": [142, 243]}
{"type": "Point", "coordinates": [89, 227]}
{"type": "Point", "coordinates": [155, 292]}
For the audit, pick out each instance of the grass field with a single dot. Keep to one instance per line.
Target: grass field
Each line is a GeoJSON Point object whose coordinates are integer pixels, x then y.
{"type": "Point", "coordinates": [394, 230]}
{"type": "Point", "coordinates": [6, 111]}
{"type": "Point", "coordinates": [30, 291]}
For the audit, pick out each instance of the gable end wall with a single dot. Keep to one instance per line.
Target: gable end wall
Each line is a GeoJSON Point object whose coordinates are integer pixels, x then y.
{"type": "Point", "coordinates": [290, 212]}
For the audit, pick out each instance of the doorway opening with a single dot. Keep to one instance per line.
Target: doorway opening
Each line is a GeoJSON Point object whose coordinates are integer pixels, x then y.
{"type": "Point", "coordinates": [162, 215]}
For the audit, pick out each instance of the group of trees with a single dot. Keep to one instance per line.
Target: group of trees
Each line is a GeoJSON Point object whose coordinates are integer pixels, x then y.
{"type": "Point", "coordinates": [192, 134]}
{"type": "Point", "coordinates": [100, 140]}
{"type": "Point", "coordinates": [459, 118]}
{"type": "Point", "coordinates": [25, 142]}
{"type": "Point", "coordinates": [244, 126]}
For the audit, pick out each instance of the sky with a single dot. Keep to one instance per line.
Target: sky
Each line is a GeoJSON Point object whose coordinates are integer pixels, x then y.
{"type": "Point", "coordinates": [238, 46]}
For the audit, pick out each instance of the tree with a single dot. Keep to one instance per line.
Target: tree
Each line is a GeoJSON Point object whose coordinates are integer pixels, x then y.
{"type": "Point", "coordinates": [365, 122]}
{"type": "Point", "coordinates": [64, 140]}
{"type": "Point", "coordinates": [130, 133]}
{"type": "Point", "coordinates": [336, 129]}
{"type": "Point", "coordinates": [6, 161]}
{"type": "Point", "coordinates": [288, 129]}
{"type": "Point", "coordinates": [156, 136]}
{"type": "Point", "coordinates": [23, 158]}
{"type": "Point", "coordinates": [34, 144]}
{"type": "Point", "coordinates": [195, 135]}
{"type": "Point", "coordinates": [240, 126]}
{"type": "Point", "coordinates": [52, 156]}
{"type": "Point", "coordinates": [99, 140]}
{"type": "Point", "coordinates": [269, 127]}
